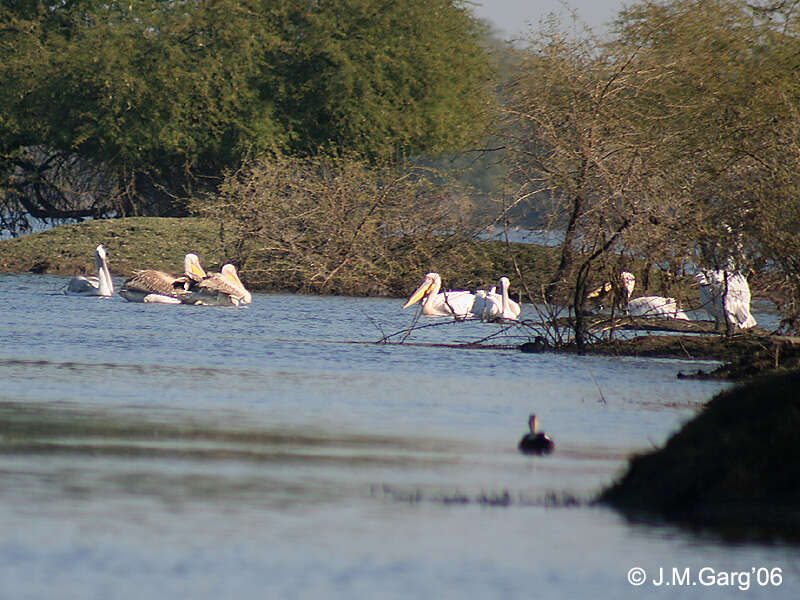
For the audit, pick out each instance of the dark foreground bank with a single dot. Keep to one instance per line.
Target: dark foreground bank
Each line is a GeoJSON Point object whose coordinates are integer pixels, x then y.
{"type": "Point", "coordinates": [734, 469]}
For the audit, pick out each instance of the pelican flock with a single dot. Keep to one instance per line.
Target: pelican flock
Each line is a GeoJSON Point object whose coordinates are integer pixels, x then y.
{"type": "Point", "coordinates": [93, 286]}
{"type": "Point", "coordinates": [724, 294]}
{"type": "Point", "coordinates": [151, 286]}
{"type": "Point", "coordinates": [195, 286]}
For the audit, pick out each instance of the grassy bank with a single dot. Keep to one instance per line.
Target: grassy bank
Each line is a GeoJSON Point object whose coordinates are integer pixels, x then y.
{"type": "Point", "coordinates": [734, 469]}
{"type": "Point", "coordinates": [161, 243]}
{"type": "Point", "coordinates": [133, 243]}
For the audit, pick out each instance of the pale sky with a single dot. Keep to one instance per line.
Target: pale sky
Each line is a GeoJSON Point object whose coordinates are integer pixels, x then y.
{"type": "Point", "coordinates": [512, 17]}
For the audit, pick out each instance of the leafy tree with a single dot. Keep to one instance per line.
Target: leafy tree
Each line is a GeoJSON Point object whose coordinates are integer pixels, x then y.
{"type": "Point", "coordinates": [732, 68]}
{"type": "Point", "coordinates": [163, 96]}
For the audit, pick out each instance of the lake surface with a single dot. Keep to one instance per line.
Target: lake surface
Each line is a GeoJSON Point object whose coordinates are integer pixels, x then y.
{"type": "Point", "coordinates": [274, 451]}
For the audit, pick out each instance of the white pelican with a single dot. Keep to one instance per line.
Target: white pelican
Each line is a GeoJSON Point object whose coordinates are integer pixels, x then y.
{"type": "Point", "coordinates": [656, 306]}
{"type": "Point", "coordinates": [445, 304]}
{"type": "Point", "coordinates": [157, 287]}
{"type": "Point", "coordinates": [219, 289]}
{"type": "Point", "coordinates": [93, 286]}
{"type": "Point", "coordinates": [725, 296]}
{"type": "Point", "coordinates": [711, 299]}
{"type": "Point", "coordinates": [500, 306]}
{"type": "Point", "coordinates": [737, 301]}
{"type": "Point", "coordinates": [650, 306]}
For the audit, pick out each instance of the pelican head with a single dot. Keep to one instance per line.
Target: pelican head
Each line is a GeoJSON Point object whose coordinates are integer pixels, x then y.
{"type": "Point", "coordinates": [192, 268]}
{"type": "Point", "coordinates": [429, 285]}
{"type": "Point", "coordinates": [628, 281]}
{"type": "Point", "coordinates": [229, 272]}
{"type": "Point", "coordinates": [532, 423]}
{"type": "Point", "coordinates": [100, 257]}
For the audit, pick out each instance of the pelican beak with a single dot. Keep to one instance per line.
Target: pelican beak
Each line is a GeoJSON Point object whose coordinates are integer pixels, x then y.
{"type": "Point", "coordinates": [235, 277]}
{"type": "Point", "coordinates": [419, 293]}
{"type": "Point", "coordinates": [197, 270]}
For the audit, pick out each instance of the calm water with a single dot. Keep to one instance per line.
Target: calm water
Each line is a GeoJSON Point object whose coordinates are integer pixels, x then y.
{"type": "Point", "coordinates": [199, 452]}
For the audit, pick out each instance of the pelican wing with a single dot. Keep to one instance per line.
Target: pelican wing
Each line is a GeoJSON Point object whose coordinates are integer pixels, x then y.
{"type": "Point", "coordinates": [83, 286]}
{"type": "Point", "coordinates": [711, 297]}
{"type": "Point", "coordinates": [737, 301]}
{"type": "Point", "coordinates": [214, 290]}
{"type": "Point", "coordinates": [656, 306]}
{"type": "Point", "coordinates": [445, 304]}
{"type": "Point", "coordinates": [147, 282]}
{"type": "Point", "coordinates": [488, 305]}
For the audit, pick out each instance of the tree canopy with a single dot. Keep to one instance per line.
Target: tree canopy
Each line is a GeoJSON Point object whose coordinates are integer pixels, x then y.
{"type": "Point", "coordinates": [672, 140]}
{"type": "Point", "coordinates": [161, 95]}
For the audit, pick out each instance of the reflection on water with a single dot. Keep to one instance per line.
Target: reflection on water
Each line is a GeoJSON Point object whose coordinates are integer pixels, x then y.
{"type": "Point", "coordinates": [209, 452]}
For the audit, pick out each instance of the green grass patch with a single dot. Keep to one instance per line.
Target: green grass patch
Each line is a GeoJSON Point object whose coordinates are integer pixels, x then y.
{"type": "Point", "coordinates": [133, 243]}
{"type": "Point", "coordinates": [161, 243]}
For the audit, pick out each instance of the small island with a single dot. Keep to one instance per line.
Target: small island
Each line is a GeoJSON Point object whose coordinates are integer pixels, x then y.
{"type": "Point", "coordinates": [734, 469]}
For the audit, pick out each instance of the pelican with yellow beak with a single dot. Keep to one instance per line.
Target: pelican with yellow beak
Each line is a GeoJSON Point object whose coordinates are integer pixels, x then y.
{"type": "Point", "coordinates": [444, 304]}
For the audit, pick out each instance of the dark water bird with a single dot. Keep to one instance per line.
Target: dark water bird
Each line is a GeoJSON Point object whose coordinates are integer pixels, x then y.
{"type": "Point", "coordinates": [539, 344]}
{"type": "Point", "coordinates": [535, 442]}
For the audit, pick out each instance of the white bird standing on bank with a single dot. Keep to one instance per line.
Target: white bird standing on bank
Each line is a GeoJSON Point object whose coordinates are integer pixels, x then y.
{"type": "Point", "coordinates": [156, 287]}
{"type": "Point", "coordinates": [725, 296]}
{"type": "Point", "coordinates": [93, 286]}
{"type": "Point", "coordinates": [445, 304]}
{"type": "Point", "coordinates": [650, 306]}
{"type": "Point", "coordinates": [711, 299]}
